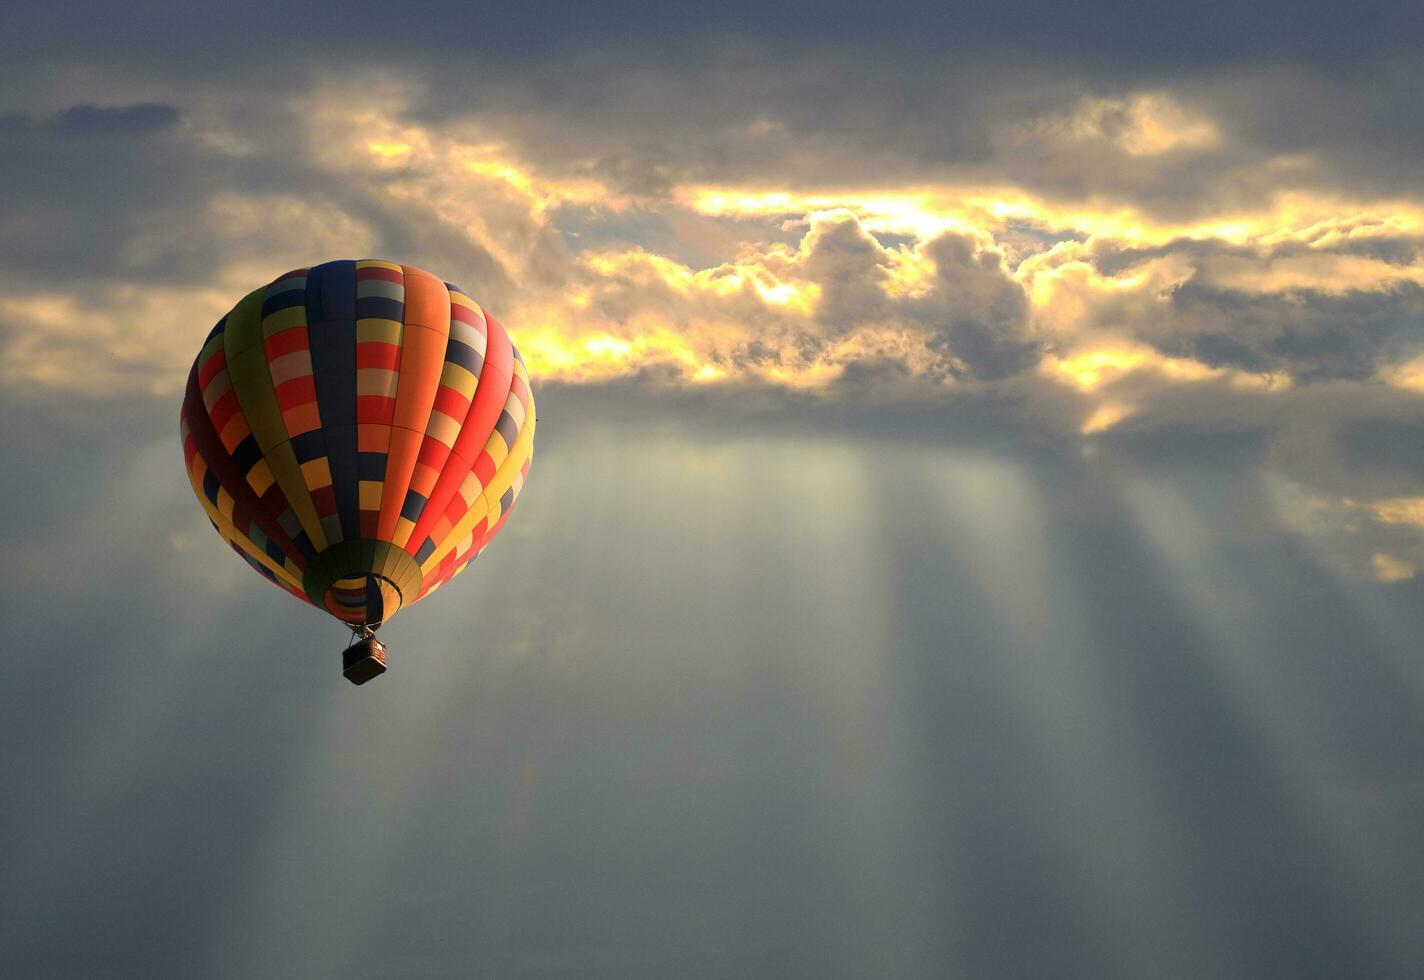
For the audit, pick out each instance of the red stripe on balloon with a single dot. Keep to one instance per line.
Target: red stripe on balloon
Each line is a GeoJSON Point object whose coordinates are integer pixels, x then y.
{"type": "Point", "coordinates": [220, 464]}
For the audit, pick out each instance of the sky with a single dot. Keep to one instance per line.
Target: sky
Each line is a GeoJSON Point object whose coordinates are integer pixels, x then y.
{"type": "Point", "coordinates": [976, 526]}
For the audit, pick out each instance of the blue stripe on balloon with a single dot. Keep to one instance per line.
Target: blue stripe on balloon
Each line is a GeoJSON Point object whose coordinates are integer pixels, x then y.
{"type": "Point", "coordinates": [331, 326]}
{"type": "Point", "coordinates": [465, 356]}
{"type": "Point", "coordinates": [380, 308]}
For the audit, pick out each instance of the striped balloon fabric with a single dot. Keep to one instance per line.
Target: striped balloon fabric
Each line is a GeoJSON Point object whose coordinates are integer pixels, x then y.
{"type": "Point", "coordinates": [358, 432]}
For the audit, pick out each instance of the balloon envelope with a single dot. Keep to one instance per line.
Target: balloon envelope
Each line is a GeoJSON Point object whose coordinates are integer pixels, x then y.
{"type": "Point", "coordinates": [358, 431]}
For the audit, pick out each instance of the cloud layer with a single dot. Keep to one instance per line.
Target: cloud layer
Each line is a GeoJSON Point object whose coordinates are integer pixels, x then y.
{"type": "Point", "coordinates": [1088, 249]}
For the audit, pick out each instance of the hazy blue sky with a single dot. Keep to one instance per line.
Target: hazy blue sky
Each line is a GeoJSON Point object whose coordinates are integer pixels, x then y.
{"type": "Point", "coordinates": [976, 526]}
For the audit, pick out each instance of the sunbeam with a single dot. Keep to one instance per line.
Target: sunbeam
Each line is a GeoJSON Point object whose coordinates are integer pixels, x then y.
{"type": "Point", "coordinates": [1289, 709]}
{"type": "Point", "coordinates": [1120, 848]}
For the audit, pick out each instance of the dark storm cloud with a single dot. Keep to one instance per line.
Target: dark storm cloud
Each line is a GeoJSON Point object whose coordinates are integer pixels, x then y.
{"type": "Point", "coordinates": [849, 265]}
{"type": "Point", "coordinates": [1117, 35]}
{"type": "Point", "coordinates": [978, 313]}
{"type": "Point", "coordinates": [1115, 258]}
{"type": "Point", "coordinates": [124, 192]}
{"type": "Point", "coordinates": [1312, 336]}
{"type": "Point", "coordinates": [695, 92]}
{"type": "Point", "coordinates": [974, 314]}
{"type": "Point", "coordinates": [82, 179]}
{"type": "Point", "coordinates": [1304, 309]}
{"type": "Point", "coordinates": [1356, 126]}
{"type": "Point", "coordinates": [96, 120]}
{"type": "Point", "coordinates": [150, 194]}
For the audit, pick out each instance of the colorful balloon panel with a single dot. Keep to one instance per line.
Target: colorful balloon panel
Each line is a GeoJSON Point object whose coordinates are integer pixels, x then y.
{"type": "Point", "coordinates": [358, 431]}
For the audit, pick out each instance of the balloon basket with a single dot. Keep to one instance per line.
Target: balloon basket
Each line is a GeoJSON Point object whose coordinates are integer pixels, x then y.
{"type": "Point", "coordinates": [363, 660]}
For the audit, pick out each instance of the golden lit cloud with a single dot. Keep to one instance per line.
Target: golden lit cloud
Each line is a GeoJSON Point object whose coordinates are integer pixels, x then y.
{"type": "Point", "coordinates": [1070, 294]}
{"type": "Point", "coordinates": [1030, 270]}
{"type": "Point", "coordinates": [1104, 417]}
{"type": "Point", "coordinates": [1408, 374]}
{"type": "Point", "coordinates": [1288, 216]}
{"type": "Point", "coordinates": [1389, 569]}
{"type": "Point", "coordinates": [261, 232]}
{"type": "Point", "coordinates": [1379, 540]}
{"type": "Point", "coordinates": [458, 179]}
{"type": "Point", "coordinates": [744, 278]}
{"type": "Point", "coordinates": [1143, 124]}
{"type": "Point", "coordinates": [1402, 510]}
{"type": "Point", "coordinates": [1102, 371]}
{"type": "Point", "coordinates": [1320, 272]}
{"type": "Point", "coordinates": [129, 337]}
{"type": "Point", "coordinates": [1091, 368]}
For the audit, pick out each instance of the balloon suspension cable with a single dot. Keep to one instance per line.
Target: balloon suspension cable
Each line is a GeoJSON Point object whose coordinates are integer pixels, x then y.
{"type": "Point", "coordinates": [362, 632]}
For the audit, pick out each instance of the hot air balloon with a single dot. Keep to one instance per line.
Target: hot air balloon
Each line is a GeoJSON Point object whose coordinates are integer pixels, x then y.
{"type": "Point", "coordinates": [358, 431]}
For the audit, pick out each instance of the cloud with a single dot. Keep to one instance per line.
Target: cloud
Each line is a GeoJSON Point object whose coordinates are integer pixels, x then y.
{"type": "Point", "coordinates": [1389, 569]}
{"type": "Point", "coordinates": [1381, 540]}
{"type": "Point", "coordinates": [1070, 304]}
{"type": "Point", "coordinates": [132, 338]}
{"type": "Point", "coordinates": [1307, 334]}
{"type": "Point", "coordinates": [978, 312]}
{"type": "Point", "coordinates": [96, 120]}
{"type": "Point", "coordinates": [738, 95]}
{"type": "Point", "coordinates": [944, 283]}
{"type": "Point", "coordinates": [848, 267]}
{"type": "Point", "coordinates": [1144, 124]}
{"type": "Point", "coordinates": [1406, 374]}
